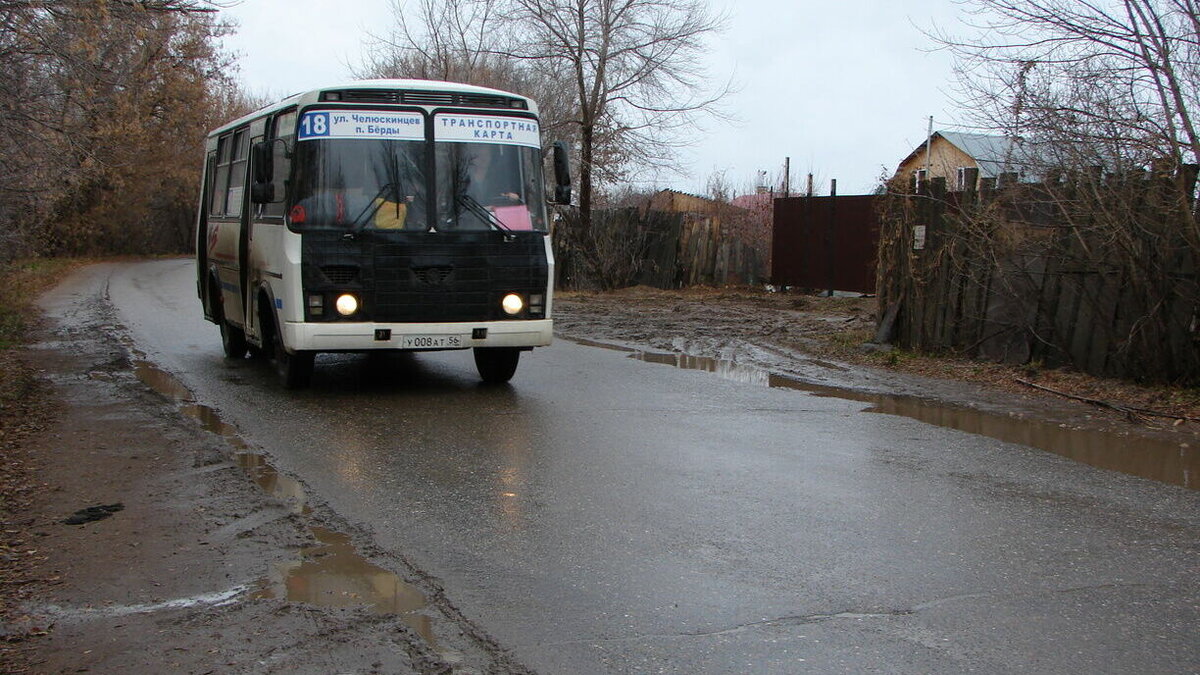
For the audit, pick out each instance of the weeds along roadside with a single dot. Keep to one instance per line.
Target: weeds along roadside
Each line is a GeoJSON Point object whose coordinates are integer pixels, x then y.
{"type": "Point", "coordinates": [22, 282]}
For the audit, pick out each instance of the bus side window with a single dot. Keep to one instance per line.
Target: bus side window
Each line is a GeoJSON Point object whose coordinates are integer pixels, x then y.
{"type": "Point", "coordinates": [210, 170]}
{"type": "Point", "coordinates": [283, 127]}
{"type": "Point", "coordinates": [220, 183]}
{"type": "Point", "coordinates": [237, 173]}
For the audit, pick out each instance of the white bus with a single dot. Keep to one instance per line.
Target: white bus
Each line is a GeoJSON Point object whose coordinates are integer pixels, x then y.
{"type": "Point", "coordinates": [380, 214]}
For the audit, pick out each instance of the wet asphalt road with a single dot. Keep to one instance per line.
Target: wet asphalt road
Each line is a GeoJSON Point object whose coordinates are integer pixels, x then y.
{"type": "Point", "coordinates": [603, 514]}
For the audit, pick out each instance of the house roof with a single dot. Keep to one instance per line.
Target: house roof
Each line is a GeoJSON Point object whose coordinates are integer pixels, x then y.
{"type": "Point", "coordinates": [669, 191]}
{"type": "Point", "coordinates": [993, 154]}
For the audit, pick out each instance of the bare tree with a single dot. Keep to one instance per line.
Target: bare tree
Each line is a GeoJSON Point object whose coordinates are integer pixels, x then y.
{"type": "Point", "coordinates": [635, 73]}
{"type": "Point", "coordinates": [439, 40]}
{"type": "Point", "coordinates": [616, 79]}
{"type": "Point", "coordinates": [1103, 96]}
{"type": "Point", "coordinates": [465, 41]}
{"type": "Point", "coordinates": [99, 101]}
{"type": "Point", "coordinates": [1112, 82]}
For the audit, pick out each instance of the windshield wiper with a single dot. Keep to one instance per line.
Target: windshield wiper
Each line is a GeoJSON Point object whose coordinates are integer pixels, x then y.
{"type": "Point", "coordinates": [369, 210]}
{"type": "Point", "coordinates": [483, 213]}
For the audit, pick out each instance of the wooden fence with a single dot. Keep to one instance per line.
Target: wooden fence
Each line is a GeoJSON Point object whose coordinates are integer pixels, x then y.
{"type": "Point", "coordinates": [1101, 276]}
{"type": "Point", "coordinates": [654, 248]}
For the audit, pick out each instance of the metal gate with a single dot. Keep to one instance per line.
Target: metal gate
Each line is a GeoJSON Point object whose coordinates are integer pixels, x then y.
{"type": "Point", "coordinates": [826, 243]}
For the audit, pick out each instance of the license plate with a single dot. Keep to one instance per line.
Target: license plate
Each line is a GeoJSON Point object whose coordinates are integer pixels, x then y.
{"type": "Point", "coordinates": [431, 341]}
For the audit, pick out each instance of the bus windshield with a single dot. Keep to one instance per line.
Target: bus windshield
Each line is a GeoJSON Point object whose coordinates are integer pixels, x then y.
{"type": "Point", "coordinates": [350, 184]}
{"type": "Point", "coordinates": [489, 186]}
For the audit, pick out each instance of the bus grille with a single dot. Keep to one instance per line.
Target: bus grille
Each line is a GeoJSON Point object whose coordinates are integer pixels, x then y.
{"type": "Point", "coordinates": [340, 274]}
{"type": "Point", "coordinates": [436, 98]}
{"type": "Point", "coordinates": [467, 287]}
{"type": "Point", "coordinates": [422, 277]}
{"type": "Point", "coordinates": [432, 276]}
{"type": "Point", "coordinates": [370, 96]}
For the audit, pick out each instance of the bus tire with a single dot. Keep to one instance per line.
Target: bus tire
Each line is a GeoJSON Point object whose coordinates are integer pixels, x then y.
{"type": "Point", "coordinates": [496, 365]}
{"type": "Point", "coordinates": [293, 368]}
{"type": "Point", "coordinates": [233, 339]}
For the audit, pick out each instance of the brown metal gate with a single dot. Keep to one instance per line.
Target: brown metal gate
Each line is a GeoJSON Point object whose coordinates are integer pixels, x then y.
{"type": "Point", "coordinates": [826, 243]}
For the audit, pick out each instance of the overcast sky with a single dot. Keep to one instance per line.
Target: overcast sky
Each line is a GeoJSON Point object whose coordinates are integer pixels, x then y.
{"type": "Point", "coordinates": [844, 89]}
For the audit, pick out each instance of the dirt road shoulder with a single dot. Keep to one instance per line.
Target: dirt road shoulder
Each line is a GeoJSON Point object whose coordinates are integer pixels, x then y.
{"type": "Point", "coordinates": [154, 545]}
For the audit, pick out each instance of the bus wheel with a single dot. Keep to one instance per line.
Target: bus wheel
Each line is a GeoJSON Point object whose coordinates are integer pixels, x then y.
{"type": "Point", "coordinates": [233, 339]}
{"type": "Point", "coordinates": [496, 365]}
{"type": "Point", "coordinates": [294, 369]}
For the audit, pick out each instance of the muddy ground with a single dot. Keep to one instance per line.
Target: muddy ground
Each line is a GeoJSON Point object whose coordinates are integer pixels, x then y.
{"type": "Point", "coordinates": [139, 536]}
{"type": "Point", "coordinates": [824, 341]}
{"type": "Point", "coordinates": [186, 558]}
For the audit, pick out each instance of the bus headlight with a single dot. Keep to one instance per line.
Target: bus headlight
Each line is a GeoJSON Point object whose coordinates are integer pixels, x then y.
{"type": "Point", "coordinates": [512, 304]}
{"type": "Point", "coordinates": [346, 304]}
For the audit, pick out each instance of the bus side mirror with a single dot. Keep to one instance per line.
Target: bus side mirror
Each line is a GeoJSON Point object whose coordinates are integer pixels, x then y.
{"type": "Point", "coordinates": [562, 174]}
{"type": "Point", "coordinates": [262, 193]}
{"type": "Point", "coordinates": [264, 163]}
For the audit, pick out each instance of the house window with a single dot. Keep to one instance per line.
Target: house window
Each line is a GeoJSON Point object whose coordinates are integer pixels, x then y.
{"type": "Point", "coordinates": [961, 181]}
{"type": "Point", "coordinates": [919, 178]}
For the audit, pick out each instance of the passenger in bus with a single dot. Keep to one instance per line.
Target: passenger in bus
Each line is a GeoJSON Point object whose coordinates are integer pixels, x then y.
{"type": "Point", "coordinates": [331, 207]}
{"type": "Point", "coordinates": [390, 215]}
{"type": "Point", "coordinates": [344, 207]}
{"type": "Point", "coordinates": [492, 183]}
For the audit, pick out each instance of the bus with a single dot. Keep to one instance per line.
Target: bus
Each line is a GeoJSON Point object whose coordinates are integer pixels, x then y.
{"type": "Point", "coordinates": [380, 215]}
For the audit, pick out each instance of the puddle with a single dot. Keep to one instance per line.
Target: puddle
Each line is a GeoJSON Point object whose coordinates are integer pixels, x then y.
{"type": "Point", "coordinates": [724, 368]}
{"type": "Point", "coordinates": [161, 381]}
{"type": "Point", "coordinates": [333, 575]}
{"type": "Point", "coordinates": [254, 464]}
{"type": "Point", "coordinates": [211, 421]}
{"type": "Point", "coordinates": [1166, 461]}
{"type": "Point", "coordinates": [287, 490]}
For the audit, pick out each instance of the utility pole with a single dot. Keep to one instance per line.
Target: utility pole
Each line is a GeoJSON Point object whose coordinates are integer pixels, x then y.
{"type": "Point", "coordinates": [929, 149]}
{"type": "Point", "coordinates": [829, 264]}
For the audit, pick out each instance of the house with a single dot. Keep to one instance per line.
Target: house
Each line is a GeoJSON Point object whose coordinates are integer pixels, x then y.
{"type": "Point", "coordinates": [673, 201]}
{"type": "Point", "coordinates": [951, 152]}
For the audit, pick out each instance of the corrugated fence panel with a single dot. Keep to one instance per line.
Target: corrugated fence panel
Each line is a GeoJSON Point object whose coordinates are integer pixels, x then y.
{"type": "Point", "coordinates": [826, 243]}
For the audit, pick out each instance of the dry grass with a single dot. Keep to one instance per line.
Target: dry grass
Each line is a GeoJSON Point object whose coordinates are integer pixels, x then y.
{"type": "Point", "coordinates": [22, 282]}
{"type": "Point", "coordinates": [1178, 402]}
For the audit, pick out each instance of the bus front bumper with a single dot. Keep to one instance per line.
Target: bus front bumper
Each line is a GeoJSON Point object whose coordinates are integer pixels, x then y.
{"type": "Point", "coordinates": [356, 337]}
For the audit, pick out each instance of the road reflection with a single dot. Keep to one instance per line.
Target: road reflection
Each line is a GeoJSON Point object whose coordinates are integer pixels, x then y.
{"type": "Point", "coordinates": [1168, 461]}
{"type": "Point", "coordinates": [440, 433]}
